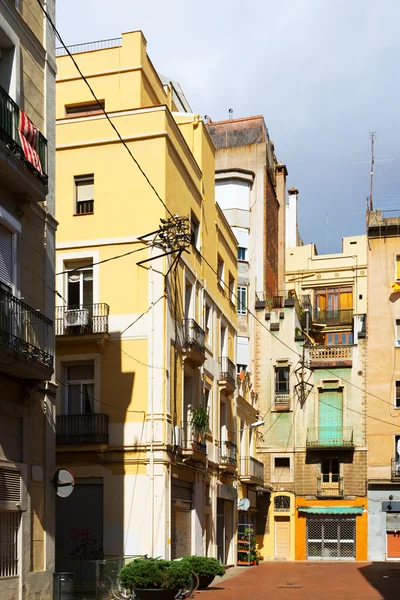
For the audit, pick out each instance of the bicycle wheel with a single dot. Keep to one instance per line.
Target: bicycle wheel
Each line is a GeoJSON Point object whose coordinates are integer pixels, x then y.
{"type": "Point", "coordinates": [186, 592]}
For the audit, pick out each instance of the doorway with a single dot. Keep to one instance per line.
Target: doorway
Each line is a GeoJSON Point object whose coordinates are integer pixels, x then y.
{"type": "Point", "coordinates": [282, 537]}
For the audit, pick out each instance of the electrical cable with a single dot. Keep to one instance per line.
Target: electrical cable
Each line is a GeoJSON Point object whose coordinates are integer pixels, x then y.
{"type": "Point", "coordinates": [100, 262]}
{"type": "Point", "coordinates": [336, 375]}
{"type": "Point", "coordinates": [101, 106]}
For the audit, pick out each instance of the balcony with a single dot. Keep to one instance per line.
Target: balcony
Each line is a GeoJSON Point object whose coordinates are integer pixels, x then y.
{"type": "Point", "coordinates": [26, 340]}
{"type": "Point", "coordinates": [193, 443]}
{"type": "Point", "coordinates": [395, 469]}
{"type": "Point", "coordinates": [83, 320]}
{"type": "Point", "coordinates": [29, 180]}
{"type": "Point", "coordinates": [193, 343]}
{"type": "Point", "coordinates": [333, 317]}
{"type": "Point", "coordinates": [329, 437]}
{"type": "Point", "coordinates": [282, 400]}
{"type": "Point", "coordinates": [251, 470]}
{"type": "Point", "coordinates": [330, 489]}
{"type": "Point", "coordinates": [91, 428]}
{"type": "Point", "coordinates": [330, 356]}
{"type": "Point", "coordinates": [227, 459]}
{"type": "Point", "coordinates": [227, 376]}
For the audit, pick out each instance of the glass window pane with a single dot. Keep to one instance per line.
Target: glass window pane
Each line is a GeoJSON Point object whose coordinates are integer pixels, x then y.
{"type": "Point", "coordinates": [80, 372]}
{"type": "Point", "coordinates": [87, 398]}
{"type": "Point", "coordinates": [74, 397]}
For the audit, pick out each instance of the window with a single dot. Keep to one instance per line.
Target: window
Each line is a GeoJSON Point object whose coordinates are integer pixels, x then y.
{"type": "Point", "coordinates": [208, 324]}
{"type": "Point", "coordinates": [220, 270]}
{"type": "Point", "coordinates": [84, 194]}
{"type": "Point", "coordinates": [208, 403]}
{"type": "Point", "coordinates": [397, 332]}
{"type": "Point", "coordinates": [397, 395]}
{"type": "Point", "coordinates": [242, 252]}
{"type": "Point", "coordinates": [85, 109]}
{"type": "Point", "coordinates": [334, 305]}
{"type": "Point", "coordinates": [6, 258]}
{"type": "Point", "coordinates": [332, 339]}
{"type": "Point", "coordinates": [282, 503]}
{"type": "Point", "coordinates": [195, 231]}
{"type": "Point", "coordinates": [231, 288]}
{"type": "Point", "coordinates": [79, 284]}
{"type": "Point", "coordinates": [282, 468]}
{"type": "Point", "coordinates": [80, 389]}
{"type": "Point", "coordinates": [330, 470]}
{"type": "Point", "coordinates": [9, 526]}
{"type": "Point", "coordinates": [242, 300]}
{"type": "Point", "coordinates": [282, 380]}
{"type": "Point", "coordinates": [7, 67]}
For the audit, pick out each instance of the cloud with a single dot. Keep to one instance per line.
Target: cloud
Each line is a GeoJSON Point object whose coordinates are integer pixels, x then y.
{"type": "Point", "coordinates": [323, 74]}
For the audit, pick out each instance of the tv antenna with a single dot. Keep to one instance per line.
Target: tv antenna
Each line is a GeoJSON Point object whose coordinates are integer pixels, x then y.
{"type": "Point", "coordinates": [372, 134]}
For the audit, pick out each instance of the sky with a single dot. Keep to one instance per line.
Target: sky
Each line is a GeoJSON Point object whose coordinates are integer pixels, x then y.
{"type": "Point", "coordinates": [323, 73]}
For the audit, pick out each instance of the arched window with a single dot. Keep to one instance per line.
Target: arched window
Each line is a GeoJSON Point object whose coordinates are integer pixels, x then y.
{"type": "Point", "coordinates": [282, 503]}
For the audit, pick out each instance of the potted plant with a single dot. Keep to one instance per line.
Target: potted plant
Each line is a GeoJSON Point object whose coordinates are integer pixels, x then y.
{"type": "Point", "coordinates": [155, 579]}
{"type": "Point", "coordinates": [206, 569]}
{"type": "Point", "coordinates": [200, 421]}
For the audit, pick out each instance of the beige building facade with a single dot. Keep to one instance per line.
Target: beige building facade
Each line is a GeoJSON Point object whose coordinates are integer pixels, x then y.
{"type": "Point", "coordinates": [27, 243]}
{"type": "Point", "coordinates": [383, 381]}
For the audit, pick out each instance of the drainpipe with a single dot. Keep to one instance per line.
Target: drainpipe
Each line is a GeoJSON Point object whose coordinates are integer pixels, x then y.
{"type": "Point", "coordinates": [152, 410]}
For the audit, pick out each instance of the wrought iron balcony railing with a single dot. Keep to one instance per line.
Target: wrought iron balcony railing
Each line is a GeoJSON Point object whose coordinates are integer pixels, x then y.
{"type": "Point", "coordinates": [25, 330]}
{"type": "Point", "coordinates": [330, 488]}
{"type": "Point", "coordinates": [193, 335]}
{"type": "Point", "coordinates": [90, 428]}
{"type": "Point", "coordinates": [83, 319]}
{"type": "Point", "coordinates": [282, 398]}
{"type": "Point", "coordinates": [228, 453]}
{"type": "Point", "coordinates": [192, 439]}
{"type": "Point", "coordinates": [9, 136]}
{"type": "Point", "coordinates": [228, 369]}
{"type": "Point", "coordinates": [251, 468]}
{"type": "Point", "coordinates": [395, 468]}
{"type": "Point", "coordinates": [333, 317]}
{"type": "Point", "coordinates": [329, 437]}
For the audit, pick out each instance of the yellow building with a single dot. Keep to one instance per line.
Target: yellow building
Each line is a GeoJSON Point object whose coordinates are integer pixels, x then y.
{"type": "Point", "coordinates": [145, 352]}
{"type": "Point", "coordinates": [27, 233]}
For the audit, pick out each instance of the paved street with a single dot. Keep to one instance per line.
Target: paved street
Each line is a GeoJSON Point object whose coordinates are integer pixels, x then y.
{"type": "Point", "coordinates": [308, 580]}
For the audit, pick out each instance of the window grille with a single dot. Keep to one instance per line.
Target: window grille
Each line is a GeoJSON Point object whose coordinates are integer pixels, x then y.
{"type": "Point", "coordinates": [9, 525]}
{"type": "Point", "coordinates": [281, 503]}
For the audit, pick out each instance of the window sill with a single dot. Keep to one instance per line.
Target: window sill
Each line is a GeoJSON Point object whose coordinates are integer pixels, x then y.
{"type": "Point", "coordinates": [82, 214]}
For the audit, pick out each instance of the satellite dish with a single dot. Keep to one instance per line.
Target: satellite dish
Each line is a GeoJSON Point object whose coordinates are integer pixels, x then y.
{"type": "Point", "coordinates": [244, 504]}
{"type": "Point", "coordinates": [64, 482]}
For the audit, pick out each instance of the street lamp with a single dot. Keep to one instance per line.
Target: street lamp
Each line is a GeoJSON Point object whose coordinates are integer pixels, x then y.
{"type": "Point", "coordinates": [252, 426]}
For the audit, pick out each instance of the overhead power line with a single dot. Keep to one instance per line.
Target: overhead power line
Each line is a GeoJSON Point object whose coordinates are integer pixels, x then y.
{"type": "Point", "coordinates": [101, 107]}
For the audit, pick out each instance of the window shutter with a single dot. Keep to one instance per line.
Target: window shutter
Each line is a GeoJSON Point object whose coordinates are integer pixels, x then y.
{"type": "Point", "coordinates": [398, 267]}
{"type": "Point", "coordinates": [10, 485]}
{"type": "Point", "coordinates": [6, 274]}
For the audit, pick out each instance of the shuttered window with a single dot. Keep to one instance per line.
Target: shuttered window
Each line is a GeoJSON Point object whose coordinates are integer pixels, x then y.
{"type": "Point", "coordinates": [6, 256]}
{"type": "Point", "coordinates": [9, 526]}
{"type": "Point", "coordinates": [10, 485]}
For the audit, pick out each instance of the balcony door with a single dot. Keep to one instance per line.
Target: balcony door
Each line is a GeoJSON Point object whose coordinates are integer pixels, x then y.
{"type": "Point", "coordinates": [79, 285]}
{"type": "Point", "coordinates": [80, 389]}
{"type": "Point", "coordinates": [330, 417]}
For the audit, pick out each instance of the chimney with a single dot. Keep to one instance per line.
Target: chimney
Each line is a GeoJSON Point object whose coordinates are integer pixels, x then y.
{"type": "Point", "coordinates": [291, 218]}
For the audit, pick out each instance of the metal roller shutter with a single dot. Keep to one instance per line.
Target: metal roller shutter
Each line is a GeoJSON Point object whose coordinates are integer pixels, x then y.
{"type": "Point", "coordinates": [181, 519]}
{"type": "Point", "coordinates": [331, 538]}
{"type": "Point", "coordinates": [79, 532]}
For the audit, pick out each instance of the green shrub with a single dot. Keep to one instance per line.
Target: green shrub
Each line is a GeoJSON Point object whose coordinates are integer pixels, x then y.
{"type": "Point", "coordinates": [155, 573]}
{"type": "Point", "coordinates": [204, 566]}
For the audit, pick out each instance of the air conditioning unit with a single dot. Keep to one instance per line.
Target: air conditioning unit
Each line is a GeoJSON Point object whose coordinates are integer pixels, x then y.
{"type": "Point", "coordinates": [76, 317]}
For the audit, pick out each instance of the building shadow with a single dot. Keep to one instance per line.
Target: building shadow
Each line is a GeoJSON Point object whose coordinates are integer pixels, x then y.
{"type": "Point", "coordinates": [384, 577]}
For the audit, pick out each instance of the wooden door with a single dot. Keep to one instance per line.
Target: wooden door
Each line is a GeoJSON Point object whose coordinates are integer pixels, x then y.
{"type": "Point", "coordinates": [282, 537]}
